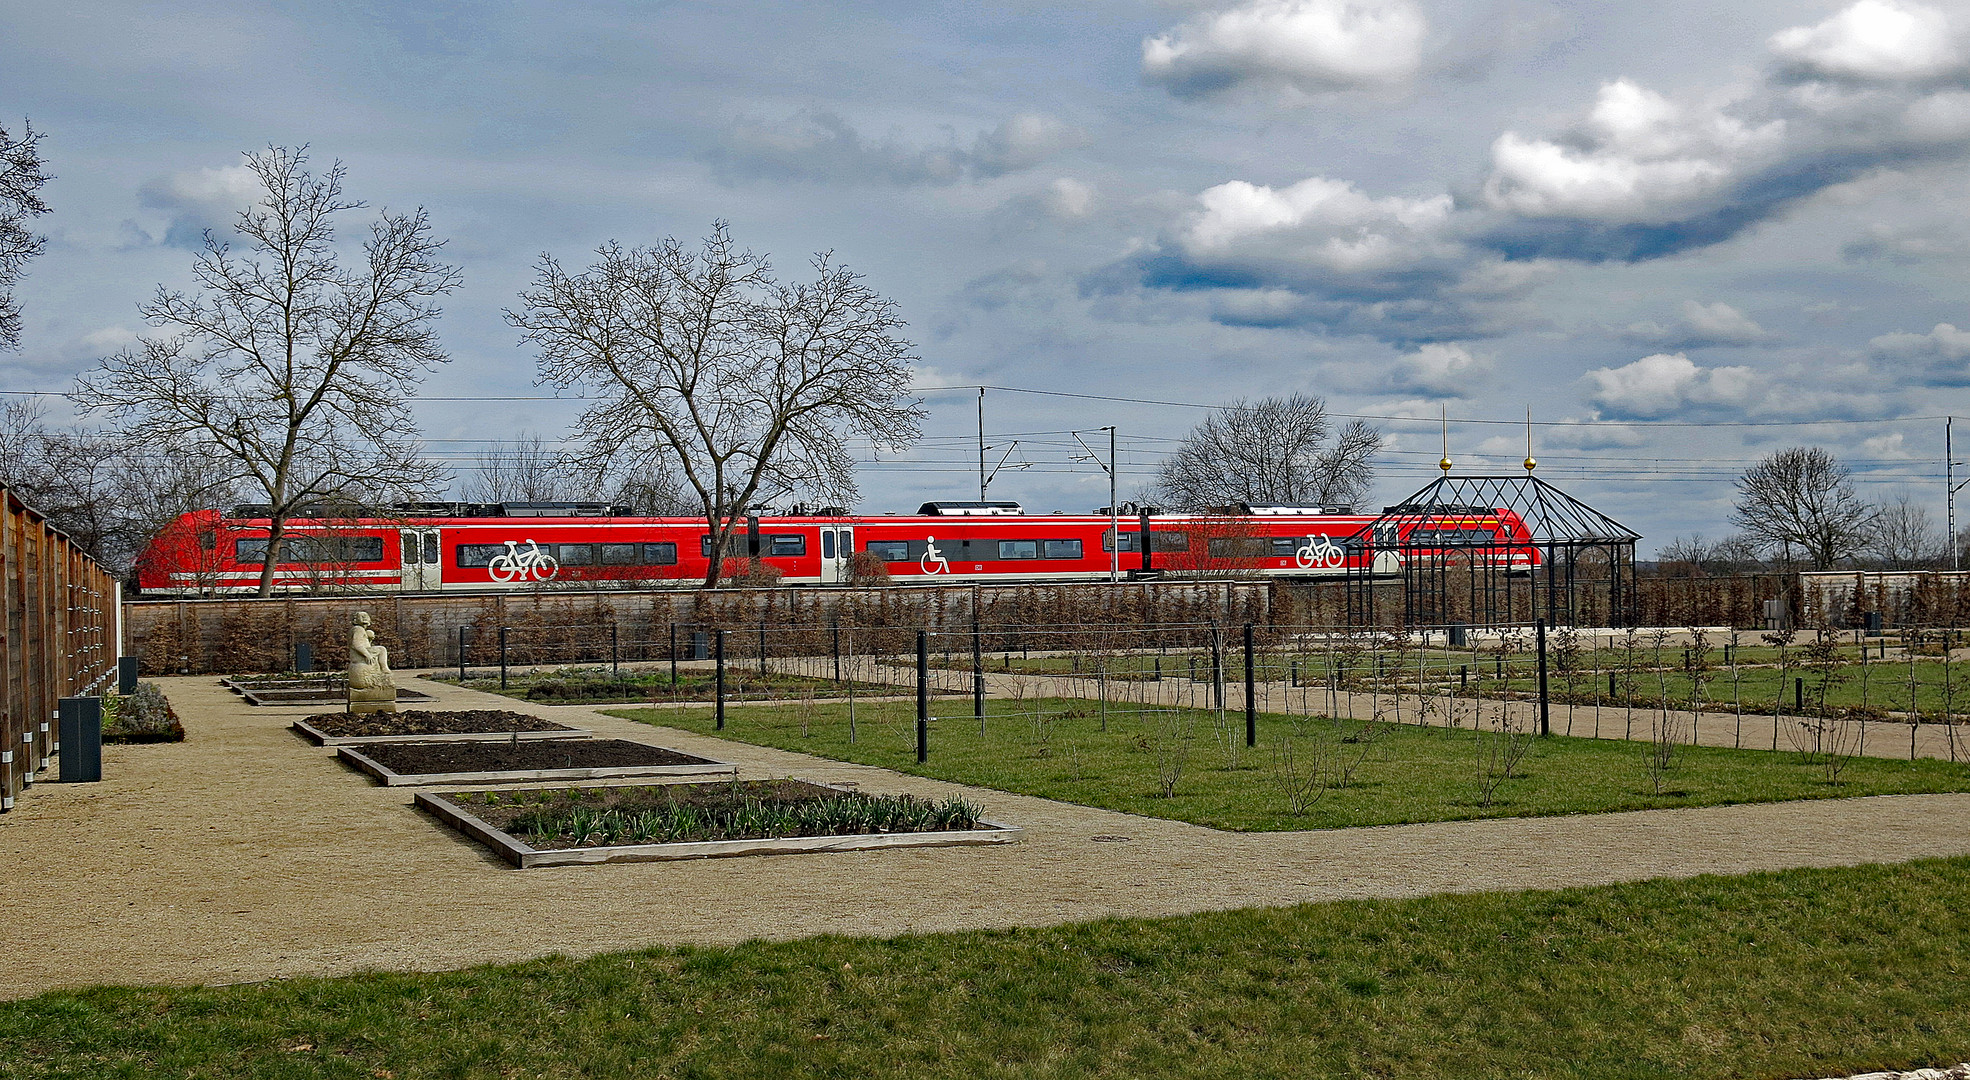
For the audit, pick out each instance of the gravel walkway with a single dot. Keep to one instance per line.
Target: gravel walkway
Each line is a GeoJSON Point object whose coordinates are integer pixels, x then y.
{"type": "Point", "coordinates": [245, 853]}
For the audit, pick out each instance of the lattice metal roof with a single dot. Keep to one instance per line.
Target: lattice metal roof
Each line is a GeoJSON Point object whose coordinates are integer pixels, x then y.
{"type": "Point", "coordinates": [1551, 516]}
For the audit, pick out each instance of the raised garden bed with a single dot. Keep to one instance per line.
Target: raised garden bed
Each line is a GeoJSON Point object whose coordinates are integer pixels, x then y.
{"type": "Point", "coordinates": [581, 826]}
{"type": "Point", "coordinates": [400, 764]}
{"type": "Point", "coordinates": [420, 725]}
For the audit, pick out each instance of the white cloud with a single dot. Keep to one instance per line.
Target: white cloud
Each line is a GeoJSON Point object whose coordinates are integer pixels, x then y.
{"type": "Point", "coordinates": [1701, 324]}
{"type": "Point", "coordinates": [823, 145]}
{"type": "Point", "coordinates": [1310, 45]}
{"type": "Point", "coordinates": [1635, 157]}
{"type": "Point", "coordinates": [1664, 383]}
{"type": "Point", "coordinates": [1875, 40]}
{"type": "Point", "coordinates": [1940, 357]}
{"type": "Point", "coordinates": [1321, 223]}
{"type": "Point", "coordinates": [202, 199]}
{"type": "Point", "coordinates": [109, 339]}
{"type": "Point", "coordinates": [1887, 446]}
{"type": "Point", "coordinates": [1024, 141]}
{"type": "Point", "coordinates": [1722, 323]}
{"type": "Point", "coordinates": [1443, 369]}
{"type": "Point", "coordinates": [1068, 199]}
{"type": "Point", "coordinates": [1945, 342]}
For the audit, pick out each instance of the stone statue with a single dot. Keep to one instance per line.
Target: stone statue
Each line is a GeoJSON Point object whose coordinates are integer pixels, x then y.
{"type": "Point", "coordinates": [370, 685]}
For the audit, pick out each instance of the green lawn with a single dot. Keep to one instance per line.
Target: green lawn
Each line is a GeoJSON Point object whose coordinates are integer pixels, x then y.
{"type": "Point", "coordinates": [1797, 974]}
{"type": "Point", "coordinates": [1877, 687]}
{"type": "Point", "coordinates": [1056, 748]}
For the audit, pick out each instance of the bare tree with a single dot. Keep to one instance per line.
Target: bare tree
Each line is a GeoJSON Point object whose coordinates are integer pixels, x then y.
{"type": "Point", "coordinates": [526, 469]}
{"type": "Point", "coordinates": [21, 177]}
{"type": "Point", "coordinates": [110, 495]}
{"type": "Point", "coordinates": [293, 367]}
{"type": "Point", "coordinates": [1903, 538]}
{"type": "Point", "coordinates": [1271, 452]}
{"type": "Point", "coordinates": [749, 385]}
{"type": "Point", "coordinates": [1802, 499]}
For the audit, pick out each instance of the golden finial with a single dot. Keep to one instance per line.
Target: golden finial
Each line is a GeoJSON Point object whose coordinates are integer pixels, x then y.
{"type": "Point", "coordinates": [1530, 462]}
{"type": "Point", "coordinates": [1445, 416]}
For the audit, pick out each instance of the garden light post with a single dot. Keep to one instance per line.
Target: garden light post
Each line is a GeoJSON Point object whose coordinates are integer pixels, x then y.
{"type": "Point", "coordinates": [462, 632]}
{"type": "Point", "coordinates": [502, 657]}
{"type": "Point", "coordinates": [718, 651]}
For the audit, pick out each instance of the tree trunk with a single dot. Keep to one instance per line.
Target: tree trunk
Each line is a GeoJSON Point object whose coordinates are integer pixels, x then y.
{"type": "Point", "coordinates": [275, 534]}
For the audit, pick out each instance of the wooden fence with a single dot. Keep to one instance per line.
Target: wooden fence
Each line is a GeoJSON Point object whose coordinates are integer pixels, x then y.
{"type": "Point", "coordinates": [58, 637]}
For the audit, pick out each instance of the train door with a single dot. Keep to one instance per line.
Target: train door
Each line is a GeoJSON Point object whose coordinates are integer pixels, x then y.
{"type": "Point", "coordinates": [421, 570]}
{"type": "Point", "coordinates": [837, 551]}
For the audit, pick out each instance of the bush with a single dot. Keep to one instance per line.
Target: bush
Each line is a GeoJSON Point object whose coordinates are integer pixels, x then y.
{"type": "Point", "coordinates": [143, 717]}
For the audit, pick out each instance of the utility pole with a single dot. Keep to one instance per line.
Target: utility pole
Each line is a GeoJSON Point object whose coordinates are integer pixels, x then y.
{"type": "Point", "coordinates": [1114, 511]}
{"type": "Point", "coordinates": [1949, 481]}
{"type": "Point", "coordinates": [1116, 517]}
{"type": "Point", "coordinates": [981, 444]}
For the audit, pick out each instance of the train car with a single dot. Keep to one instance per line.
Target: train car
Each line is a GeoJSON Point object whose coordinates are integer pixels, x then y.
{"type": "Point", "coordinates": [490, 548]}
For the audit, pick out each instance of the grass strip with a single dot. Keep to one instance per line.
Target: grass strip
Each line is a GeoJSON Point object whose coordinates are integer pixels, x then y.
{"type": "Point", "coordinates": [1795, 974]}
{"type": "Point", "coordinates": [1058, 749]}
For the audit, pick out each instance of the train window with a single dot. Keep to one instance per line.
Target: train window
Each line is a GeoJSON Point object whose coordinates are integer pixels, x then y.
{"type": "Point", "coordinates": [660, 554]}
{"type": "Point", "coordinates": [431, 549]}
{"type": "Point", "coordinates": [1019, 549]}
{"type": "Point", "coordinates": [1130, 541]}
{"type": "Point", "coordinates": [207, 540]}
{"type": "Point", "coordinates": [889, 550]}
{"type": "Point", "coordinates": [619, 555]}
{"type": "Point", "coordinates": [314, 549]}
{"type": "Point", "coordinates": [472, 556]}
{"type": "Point", "coordinates": [827, 543]}
{"type": "Point", "coordinates": [1284, 547]}
{"type": "Point", "coordinates": [1169, 541]}
{"type": "Point", "coordinates": [575, 554]}
{"type": "Point", "coordinates": [785, 544]}
{"type": "Point", "coordinates": [1063, 549]}
{"type": "Point", "coordinates": [1240, 547]}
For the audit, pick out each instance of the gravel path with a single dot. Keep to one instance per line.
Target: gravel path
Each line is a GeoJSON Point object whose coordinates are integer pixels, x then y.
{"type": "Point", "coordinates": [245, 853]}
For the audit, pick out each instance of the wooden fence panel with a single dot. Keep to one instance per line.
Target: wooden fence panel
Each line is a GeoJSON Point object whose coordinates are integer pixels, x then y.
{"type": "Point", "coordinates": [57, 611]}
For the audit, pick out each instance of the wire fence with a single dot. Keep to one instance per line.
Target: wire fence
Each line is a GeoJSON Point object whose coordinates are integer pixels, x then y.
{"type": "Point", "coordinates": [1821, 692]}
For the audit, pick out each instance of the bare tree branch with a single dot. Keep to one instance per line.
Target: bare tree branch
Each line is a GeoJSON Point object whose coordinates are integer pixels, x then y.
{"type": "Point", "coordinates": [1271, 452]}
{"type": "Point", "coordinates": [21, 178]}
{"type": "Point", "coordinates": [1801, 499]}
{"type": "Point", "coordinates": [703, 360]}
{"type": "Point", "coordinates": [289, 363]}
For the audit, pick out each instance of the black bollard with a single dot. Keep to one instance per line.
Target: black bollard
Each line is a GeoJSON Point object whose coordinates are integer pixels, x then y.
{"type": "Point", "coordinates": [718, 646]}
{"type": "Point", "coordinates": [1251, 694]}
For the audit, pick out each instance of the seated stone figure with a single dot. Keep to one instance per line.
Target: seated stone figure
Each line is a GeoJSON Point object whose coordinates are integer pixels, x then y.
{"type": "Point", "coordinates": [370, 686]}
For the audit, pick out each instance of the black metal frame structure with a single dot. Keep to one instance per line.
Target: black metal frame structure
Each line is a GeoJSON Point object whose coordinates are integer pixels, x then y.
{"type": "Point", "coordinates": [1584, 574]}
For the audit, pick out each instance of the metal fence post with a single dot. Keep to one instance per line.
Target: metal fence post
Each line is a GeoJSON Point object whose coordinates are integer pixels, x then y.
{"type": "Point", "coordinates": [502, 657]}
{"type": "Point", "coordinates": [923, 696]}
{"type": "Point", "coordinates": [1545, 700]}
{"type": "Point", "coordinates": [718, 652]}
{"type": "Point", "coordinates": [1217, 668]}
{"type": "Point", "coordinates": [461, 655]}
{"type": "Point", "coordinates": [615, 652]}
{"type": "Point", "coordinates": [1251, 693]}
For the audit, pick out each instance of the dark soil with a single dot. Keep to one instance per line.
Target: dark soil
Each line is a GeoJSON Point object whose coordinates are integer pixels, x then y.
{"type": "Point", "coordinates": [426, 722]}
{"type": "Point", "coordinates": [414, 758]}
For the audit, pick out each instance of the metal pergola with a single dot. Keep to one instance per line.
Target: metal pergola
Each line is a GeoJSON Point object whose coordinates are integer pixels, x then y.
{"type": "Point", "coordinates": [1444, 549]}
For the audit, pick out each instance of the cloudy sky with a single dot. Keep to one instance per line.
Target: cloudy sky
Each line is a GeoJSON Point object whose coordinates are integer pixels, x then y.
{"type": "Point", "coordinates": [1685, 234]}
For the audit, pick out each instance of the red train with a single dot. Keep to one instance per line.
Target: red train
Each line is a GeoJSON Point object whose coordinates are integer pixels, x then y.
{"type": "Point", "coordinates": [449, 547]}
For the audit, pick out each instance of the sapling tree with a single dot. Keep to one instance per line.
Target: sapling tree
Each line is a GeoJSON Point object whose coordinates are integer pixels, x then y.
{"type": "Point", "coordinates": [1780, 639]}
